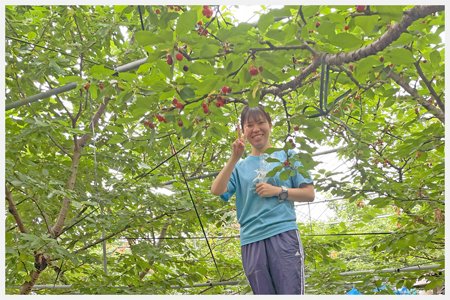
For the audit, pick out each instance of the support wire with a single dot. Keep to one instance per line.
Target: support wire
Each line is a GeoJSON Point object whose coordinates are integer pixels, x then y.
{"type": "Point", "coordinates": [195, 207]}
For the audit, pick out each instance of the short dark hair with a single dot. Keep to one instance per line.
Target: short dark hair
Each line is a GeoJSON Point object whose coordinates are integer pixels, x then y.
{"type": "Point", "coordinates": [254, 113]}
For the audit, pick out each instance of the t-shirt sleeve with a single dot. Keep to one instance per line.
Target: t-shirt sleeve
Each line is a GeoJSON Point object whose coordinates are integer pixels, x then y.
{"type": "Point", "coordinates": [231, 187]}
{"type": "Point", "coordinates": [298, 179]}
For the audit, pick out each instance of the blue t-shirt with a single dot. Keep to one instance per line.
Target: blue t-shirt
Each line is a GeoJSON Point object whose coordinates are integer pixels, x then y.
{"type": "Point", "coordinates": [262, 217]}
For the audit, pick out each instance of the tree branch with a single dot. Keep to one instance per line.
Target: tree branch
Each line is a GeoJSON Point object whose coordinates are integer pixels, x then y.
{"type": "Point", "coordinates": [429, 86]}
{"type": "Point", "coordinates": [13, 210]}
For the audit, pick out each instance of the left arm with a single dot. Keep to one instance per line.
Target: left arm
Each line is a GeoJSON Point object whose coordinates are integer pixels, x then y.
{"type": "Point", "coordinates": [304, 193]}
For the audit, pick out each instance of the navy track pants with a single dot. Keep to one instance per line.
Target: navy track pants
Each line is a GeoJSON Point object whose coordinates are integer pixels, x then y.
{"type": "Point", "coordinates": [275, 265]}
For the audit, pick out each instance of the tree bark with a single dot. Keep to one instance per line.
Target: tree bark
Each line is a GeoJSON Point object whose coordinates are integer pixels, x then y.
{"type": "Point", "coordinates": [13, 210]}
{"type": "Point", "coordinates": [57, 228]}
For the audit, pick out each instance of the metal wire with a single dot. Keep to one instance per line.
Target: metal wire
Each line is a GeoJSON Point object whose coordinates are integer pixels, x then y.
{"type": "Point", "coordinates": [195, 207]}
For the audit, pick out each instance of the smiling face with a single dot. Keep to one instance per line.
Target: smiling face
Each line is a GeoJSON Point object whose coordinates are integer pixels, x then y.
{"type": "Point", "coordinates": [258, 132]}
{"type": "Point", "coordinates": [257, 124]}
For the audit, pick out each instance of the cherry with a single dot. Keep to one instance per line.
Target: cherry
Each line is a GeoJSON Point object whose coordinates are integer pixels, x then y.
{"type": "Point", "coordinates": [360, 8]}
{"type": "Point", "coordinates": [254, 71]}
{"type": "Point", "coordinates": [101, 86]}
{"type": "Point", "coordinates": [200, 22]}
{"type": "Point", "coordinates": [296, 128]}
{"type": "Point", "coordinates": [179, 105]}
{"type": "Point", "coordinates": [419, 154]}
{"type": "Point", "coordinates": [158, 11]}
{"type": "Point", "coordinates": [205, 110]}
{"type": "Point", "coordinates": [317, 24]}
{"type": "Point", "coordinates": [351, 67]}
{"type": "Point", "coordinates": [346, 27]}
{"type": "Point", "coordinates": [224, 89]}
{"type": "Point", "coordinates": [381, 59]}
{"type": "Point", "coordinates": [260, 68]}
{"type": "Point", "coordinates": [146, 123]}
{"type": "Point", "coordinates": [217, 104]}
{"type": "Point", "coordinates": [290, 140]}
{"type": "Point", "coordinates": [286, 163]}
{"type": "Point", "coordinates": [185, 68]}
{"type": "Point", "coordinates": [180, 123]}
{"type": "Point", "coordinates": [86, 86]}
{"type": "Point", "coordinates": [175, 101]}
{"type": "Point", "coordinates": [229, 89]}
{"type": "Point", "coordinates": [204, 105]}
{"type": "Point", "coordinates": [151, 125]}
{"type": "Point", "coordinates": [179, 56]}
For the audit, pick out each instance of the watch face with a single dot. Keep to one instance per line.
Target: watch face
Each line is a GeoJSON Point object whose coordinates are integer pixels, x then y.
{"type": "Point", "coordinates": [284, 195]}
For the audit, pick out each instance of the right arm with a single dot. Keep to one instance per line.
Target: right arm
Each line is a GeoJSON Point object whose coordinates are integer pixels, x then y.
{"type": "Point", "coordinates": [219, 186]}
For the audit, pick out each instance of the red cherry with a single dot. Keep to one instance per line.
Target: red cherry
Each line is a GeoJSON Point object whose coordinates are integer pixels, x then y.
{"type": "Point", "coordinates": [296, 128]}
{"type": "Point", "coordinates": [205, 11]}
{"type": "Point", "coordinates": [351, 67]}
{"type": "Point", "coordinates": [360, 8]}
{"type": "Point", "coordinates": [381, 59]}
{"type": "Point", "coordinates": [317, 24]}
{"type": "Point", "coordinates": [419, 154]}
{"type": "Point", "coordinates": [179, 56]}
{"type": "Point", "coordinates": [175, 100]}
{"type": "Point", "coordinates": [346, 27]}
{"type": "Point", "coordinates": [158, 11]}
{"type": "Point", "coordinates": [171, 7]}
{"type": "Point", "coordinates": [286, 163]}
{"type": "Point", "coordinates": [101, 86]}
{"type": "Point", "coordinates": [146, 123]}
{"type": "Point", "coordinates": [151, 125]}
{"type": "Point", "coordinates": [424, 61]}
{"type": "Point", "coordinates": [423, 22]}
{"type": "Point", "coordinates": [290, 140]}
{"type": "Point", "coordinates": [204, 105]}
{"type": "Point", "coordinates": [177, 9]}
{"type": "Point", "coordinates": [224, 89]}
{"type": "Point", "coordinates": [86, 86]}
{"type": "Point", "coordinates": [180, 123]}
{"type": "Point", "coordinates": [205, 6]}
{"type": "Point", "coordinates": [293, 145]}
{"type": "Point", "coordinates": [391, 65]}
{"type": "Point", "coordinates": [260, 68]}
{"type": "Point", "coordinates": [283, 70]}
{"type": "Point", "coordinates": [217, 104]}
{"type": "Point", "coordinates": [254, 71]}
{"type": "Point", "coordinates": [200, 22]}
{"type": "Point", "coordinates": [205, 110]}
{"type": "Point", "coordinates": [229, 89]}
{"type": "Point", "coordinates": [179, 105]}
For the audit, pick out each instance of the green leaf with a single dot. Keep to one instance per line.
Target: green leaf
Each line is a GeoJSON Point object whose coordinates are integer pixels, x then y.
{"type": "Point", "coordinates": [435, 58]}
{"type": "Point", "coordinates": [389, 13]}
{"type": "Point", "coordinates": [200, 68]}
{"type": "Point", "coordinates": [277, 34]}
{"type": "Point", "coordinates": [400, 56]}
{"type": "Point", "coordinates": [345, 40]}
{"type": "Point", "coordinates": [186, 22]}
{"type": "Point", "coordinates": [310, 10]}
{"type": "Point", "coordinates": [68, 79]}
{"type": "Point", "coordinates": [285, 175]}
{"type": "Point", "coordinates": [367, 23]}
{"type": "Point", "coordinates": [146, 38]}
{"type": "Point", "coordinates": [187, 93]}
{"type": "Point", "coordinates": [265, 21]}
{"type": "Point", "coordinates": [187, 132]}
{"type": "Point", "coordinates": [209, 50]}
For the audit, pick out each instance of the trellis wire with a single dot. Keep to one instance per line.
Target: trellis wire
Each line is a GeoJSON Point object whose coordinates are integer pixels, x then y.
{"type": "Point", "coordinates": [195, 207]}
{"type": "Point", "coordinates": [88, 95]}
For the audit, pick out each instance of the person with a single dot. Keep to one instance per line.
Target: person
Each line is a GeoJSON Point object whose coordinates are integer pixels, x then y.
{"type": "Point", "coordinates": [271, 247]}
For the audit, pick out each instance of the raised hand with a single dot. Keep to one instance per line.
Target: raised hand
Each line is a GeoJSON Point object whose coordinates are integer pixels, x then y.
{"type": "Point", "coordinates": [239, 144]}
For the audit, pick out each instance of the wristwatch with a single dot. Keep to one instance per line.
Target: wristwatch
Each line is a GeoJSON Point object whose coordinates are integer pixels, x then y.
{"type": "Point", "coordinates": [284, 194]}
